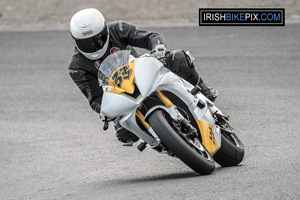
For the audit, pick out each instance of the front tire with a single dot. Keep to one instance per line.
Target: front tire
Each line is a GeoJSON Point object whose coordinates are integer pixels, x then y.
{"type": "Point", "coordinates": [197, 158]}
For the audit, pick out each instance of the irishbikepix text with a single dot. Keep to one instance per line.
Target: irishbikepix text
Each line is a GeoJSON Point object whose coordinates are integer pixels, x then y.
{"type": "Point", "coordinates": [269, 17]}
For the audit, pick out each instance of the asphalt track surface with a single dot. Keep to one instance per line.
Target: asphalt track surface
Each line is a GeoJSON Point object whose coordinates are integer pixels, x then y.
{"type": "Point", "coordinates": [52, 145]}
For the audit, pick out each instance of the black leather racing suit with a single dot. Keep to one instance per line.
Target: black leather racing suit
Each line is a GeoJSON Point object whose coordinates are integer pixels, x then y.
{"type": "Point", "coordinates": [122, 35]}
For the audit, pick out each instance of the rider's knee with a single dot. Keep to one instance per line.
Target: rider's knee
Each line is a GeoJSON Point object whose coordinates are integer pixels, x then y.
{"type": "Point", "coordinates": [181, 63]}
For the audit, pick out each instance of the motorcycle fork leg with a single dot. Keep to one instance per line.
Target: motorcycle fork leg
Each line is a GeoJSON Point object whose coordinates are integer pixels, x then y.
{"type": "Point", "coordinates": [166, 101]}
{"type": "Point", "coordinates": [141, 117]}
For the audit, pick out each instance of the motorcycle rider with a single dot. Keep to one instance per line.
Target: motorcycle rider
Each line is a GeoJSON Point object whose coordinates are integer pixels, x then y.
{"type": "Point", "coordinates": [95, 40]}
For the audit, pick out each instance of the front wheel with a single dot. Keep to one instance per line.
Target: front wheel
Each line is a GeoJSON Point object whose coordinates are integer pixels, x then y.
{"type": "Point", "coordinates": [191, 152]}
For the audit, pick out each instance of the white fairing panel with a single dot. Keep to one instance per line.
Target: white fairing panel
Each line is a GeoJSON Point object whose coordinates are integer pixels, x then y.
{"type": "Point", "coordinates": [151, 76]}
{"type": "Point", "coordinates": [114, 105]}
{"type": "Point", "coordinates": [146, 74]}
{"type": "Point", "coordinates": [204, 114]}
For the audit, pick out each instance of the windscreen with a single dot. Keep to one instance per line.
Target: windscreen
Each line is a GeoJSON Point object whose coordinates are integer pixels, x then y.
{"type": "Point", "coordinates": [111, 64]}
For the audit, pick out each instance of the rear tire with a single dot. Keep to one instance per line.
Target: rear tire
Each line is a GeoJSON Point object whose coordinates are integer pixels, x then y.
{"type": "Point", "coordinates": [231, 152]}
{"type": "Point", "coordinates": [197, 159]}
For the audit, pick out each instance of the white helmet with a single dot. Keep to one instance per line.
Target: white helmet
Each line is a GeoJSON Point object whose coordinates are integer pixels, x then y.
{"type": "Point", "coordinates": [91, 34]}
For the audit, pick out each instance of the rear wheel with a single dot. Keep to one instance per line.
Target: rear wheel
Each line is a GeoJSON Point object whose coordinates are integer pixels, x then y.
{"type": "Point", "coordinates": [231, 152]}
{"type": "Point", "coordinates": [190, 151]}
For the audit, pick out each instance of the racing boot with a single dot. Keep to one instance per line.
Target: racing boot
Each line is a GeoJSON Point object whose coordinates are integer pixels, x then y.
{"type": "Point", "coordinates": [123, 135]}
{"type": "Point", "coordinates": [194, 78]}
{"type": "Point", "coordinates": [208, 91]}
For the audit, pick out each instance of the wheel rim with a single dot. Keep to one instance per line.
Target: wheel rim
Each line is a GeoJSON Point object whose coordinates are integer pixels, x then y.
{"type": "Point", "coordinates": [234, 140]}
{"type": "Point", "coordinates": [227, 132]}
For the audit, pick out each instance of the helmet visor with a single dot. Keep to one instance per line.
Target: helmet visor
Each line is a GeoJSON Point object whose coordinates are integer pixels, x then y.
{"type": "Point", "coordinates": [93, 44]}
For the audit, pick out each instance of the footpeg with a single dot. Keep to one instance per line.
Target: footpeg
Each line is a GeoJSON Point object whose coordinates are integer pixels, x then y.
{"type": "Point", "coordinates": [195, 90]}
{"type": "Point", "coordinates": [142, 146]}
{"type": "Point", "coordinates": [201, 104]}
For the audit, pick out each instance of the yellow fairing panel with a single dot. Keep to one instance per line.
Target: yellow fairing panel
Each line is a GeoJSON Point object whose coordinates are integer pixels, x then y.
{"type": "Point", "coordinates": [122, 80]}
{"type": "Point", "coordinates": [208, 137]}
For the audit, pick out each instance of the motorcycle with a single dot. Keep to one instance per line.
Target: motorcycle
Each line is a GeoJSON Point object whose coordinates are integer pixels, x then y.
{"type": "Point", "coordinates": [166, 112]}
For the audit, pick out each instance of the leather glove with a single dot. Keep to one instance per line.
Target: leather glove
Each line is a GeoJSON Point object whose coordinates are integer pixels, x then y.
{"type": "Point", "coordinates": [159, 51]}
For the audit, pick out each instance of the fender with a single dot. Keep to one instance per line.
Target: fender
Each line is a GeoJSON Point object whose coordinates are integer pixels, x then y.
{"type": "Point", "coordinates": [128, 121]}
{"type": "Point", "coordinates": [155, 108]}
